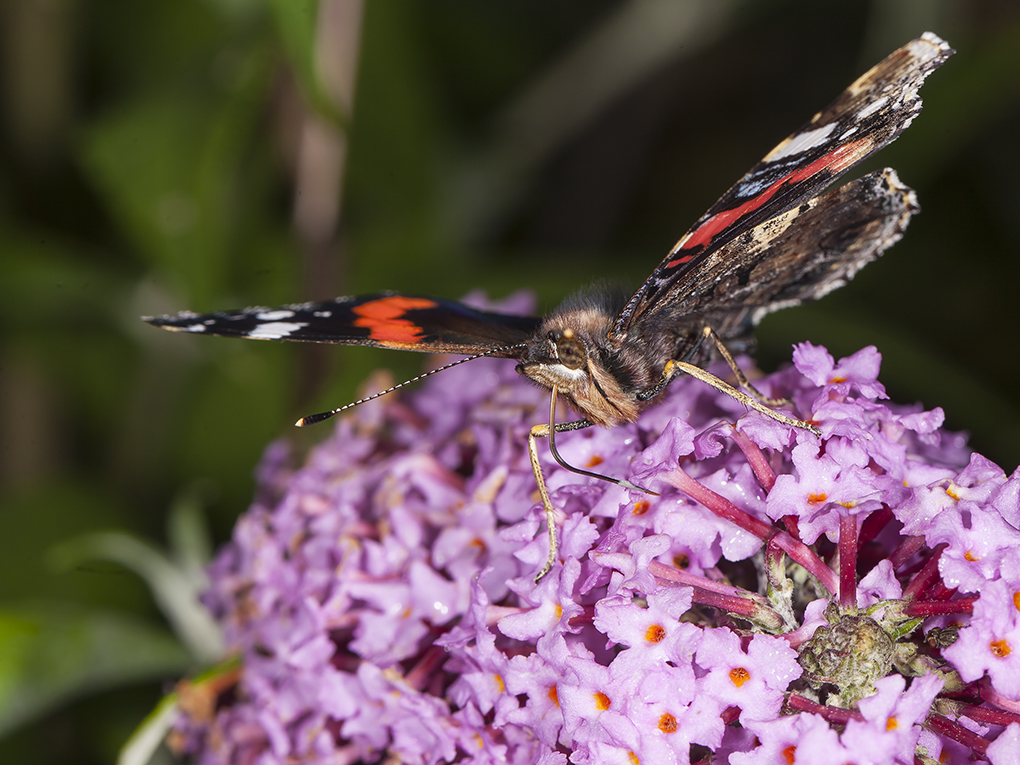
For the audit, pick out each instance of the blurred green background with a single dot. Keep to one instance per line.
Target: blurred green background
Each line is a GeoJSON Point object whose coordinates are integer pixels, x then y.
{"type": "Point", "coordinates": [211, 154]}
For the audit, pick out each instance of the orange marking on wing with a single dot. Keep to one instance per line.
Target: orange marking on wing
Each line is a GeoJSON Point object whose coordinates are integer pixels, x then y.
{"type": "Point", "coordinates": [392, 307]}
{"type": "Point", "coordinates": [382, 319]}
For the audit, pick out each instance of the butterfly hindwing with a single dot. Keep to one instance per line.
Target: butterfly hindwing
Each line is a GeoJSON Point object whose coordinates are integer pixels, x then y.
{"type": "Point", "coordinates": [382, 320]}
{"type": "Point", "coordinates": [868, 115]}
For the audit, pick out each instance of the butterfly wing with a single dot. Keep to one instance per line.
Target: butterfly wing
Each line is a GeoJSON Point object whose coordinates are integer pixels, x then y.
{"type": "Point", "coordinates": [799, 256]}
{"type": "Point", "coordinates": [868, 115]}
{"type": "Point", "coordinates": [383, 320]}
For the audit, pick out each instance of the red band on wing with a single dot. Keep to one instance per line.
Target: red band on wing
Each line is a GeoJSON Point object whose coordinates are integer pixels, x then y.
{"type": "Point", "coordinates": [382, 319]}
{"type": "Point", "coordinates": [679, 261]}
{"type": "Point", "coordinates": [836, 161]}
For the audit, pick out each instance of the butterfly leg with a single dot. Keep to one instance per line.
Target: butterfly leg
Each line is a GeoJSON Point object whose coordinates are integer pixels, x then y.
{"type": "Point", "coordinates": [760, 403]}
{"type": "Point", "coordinates": [550, 513]}
{"type": "Point", "coordinates": [541, 431]}
{"type": "Point", "coordinates": [549, 430]}
{"type": "Point", "coordinates": [673, 368]}
{"type": "Point", "coordinates": [709, 334]}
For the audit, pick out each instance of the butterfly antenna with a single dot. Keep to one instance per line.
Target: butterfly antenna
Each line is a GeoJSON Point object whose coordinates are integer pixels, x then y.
{"type": "Point", "coordinates": [567, 466]}
{"type": "Point", "coordinates": [314, 419]}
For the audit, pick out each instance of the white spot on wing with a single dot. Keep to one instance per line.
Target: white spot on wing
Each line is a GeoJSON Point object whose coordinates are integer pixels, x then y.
{"type": "Point", "coordinates": [873, 107]}
{"type": "Point", "coordinates": [195, 328]}
{"type": "Point", "coordinates": [751, 188]}
{"type": "Point", "coordinates": [918, 46]}
{"type": "Point", "coordinates": [274, 315]}
{"type": "Point", "coordinates": [322, 314]}
{"type": "Point", "coordinates": [275, 330]}
{"type": "Point", "coordinates": [802, 142]}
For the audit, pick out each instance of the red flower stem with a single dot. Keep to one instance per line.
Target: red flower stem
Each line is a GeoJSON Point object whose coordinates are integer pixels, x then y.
{"type": "Point", "coordinates": [992, 696]}
{"type": "Point", "coordinates": [756, 459]}
{"type": "Point", "coordinates": [585, 617]}
{"type": "Point", "coordinates": [738, 606]}
{"type": "Point", "coordinates": [925, 608]}
{"type": "Point", "coordinates": [922, 579]}
{"type": "Point", "coordinates": [806, 557]}
{"type": "Point", "coordinates": [970, 692]}
{"type": "Point", "coordinates": [718, 504]}
{"type": "Point", "coordinates": [939, 591]}
{"type": "Point", "coordinates": [873, 525]}
{"type": "Point", "coordinates": [836, 715]}
{"type": "Point", "coordinates": [730, 715]}
{"type": "Point", "coordinates": [847, 561]}
{"type": "Point", "coordinates": [733, 600]}
{"type": "Point", "coordinates": [725, 509]}
{"type": "Point", "coordinates": [943, 726]}
{"type": "Point", "coordinates": [792, 525]}
{"type": "Point", "coordinates": [679, 576]}
{"type": "Point", "coordinates": [989, 716]}
{"type": "Point", "coordinates": [906, 550]}
{"type": "Point", "coordinates": [426, 667]}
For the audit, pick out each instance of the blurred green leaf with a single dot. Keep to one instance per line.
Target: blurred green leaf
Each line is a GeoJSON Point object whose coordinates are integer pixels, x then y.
{"type": "Point", "coordinates": [147, 158]}
{"type": "Point", "coordinates": [149, 736]}
{"type": "Point", "coordinates": [175, 590]}
{"type": "Point", "coordinates": [171, 170]}
{"type": "Point", "coordinates": [50, 654]}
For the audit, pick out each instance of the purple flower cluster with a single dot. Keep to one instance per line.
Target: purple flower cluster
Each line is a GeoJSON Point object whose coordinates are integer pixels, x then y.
{"type": "Point", "coordinates": [785, 599]}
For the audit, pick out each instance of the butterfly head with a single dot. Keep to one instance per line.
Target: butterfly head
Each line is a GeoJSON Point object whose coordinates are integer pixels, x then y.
{"type": "Point", "coordinates": [571, 351]}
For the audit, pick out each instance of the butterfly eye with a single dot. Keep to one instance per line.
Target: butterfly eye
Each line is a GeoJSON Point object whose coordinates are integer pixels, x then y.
{"type": "Point", "coordinates": [570, 351]}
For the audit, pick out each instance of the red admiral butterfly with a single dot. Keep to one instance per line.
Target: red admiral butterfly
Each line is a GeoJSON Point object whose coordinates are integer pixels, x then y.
{"type": "Point", "coordinates": [770, 242]}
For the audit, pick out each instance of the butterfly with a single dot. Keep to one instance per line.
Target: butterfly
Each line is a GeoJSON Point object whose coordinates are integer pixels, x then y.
{"type": "Point", "coordinates": [772, 240]}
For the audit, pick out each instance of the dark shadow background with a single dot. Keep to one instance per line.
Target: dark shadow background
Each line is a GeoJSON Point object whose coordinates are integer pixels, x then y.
{"type": "Point", "coordinates": [151, 157]}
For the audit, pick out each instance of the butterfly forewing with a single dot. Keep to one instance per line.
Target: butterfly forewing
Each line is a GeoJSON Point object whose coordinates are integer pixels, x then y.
{"type": "Point", "coordinates": [868, 115]}
{"type": "Point", "coordinates": [383, 320]}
